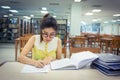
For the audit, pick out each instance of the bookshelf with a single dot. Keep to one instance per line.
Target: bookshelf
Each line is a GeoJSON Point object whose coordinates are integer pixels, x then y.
{"type": "Point", "coordinates": [25, 27]}
{"type": "Point", "coordinates": [9, 29]}
{"type": "Point", "coordinates": [35, 23]}
{"type": "Point", "coordinates": [33, 26]}
{"type": "Point", "coordinates": [62, 29]}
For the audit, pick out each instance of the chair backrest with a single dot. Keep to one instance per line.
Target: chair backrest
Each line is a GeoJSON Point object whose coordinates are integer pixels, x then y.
{"type": "Point", "coordinates": [28, 35]}
{"type": "Point", "coordinates": [115, 42]}
{"type": "Point", "coordinates": [23, 41]}
{"type": "Point", "coordinates": [115, 45]}
{"type": "Point", "coordinates": [79, 41]}
{"type": "Point", "coordinates": [74, 50]}
{"type": "Point", "coordinates": [64, 51]}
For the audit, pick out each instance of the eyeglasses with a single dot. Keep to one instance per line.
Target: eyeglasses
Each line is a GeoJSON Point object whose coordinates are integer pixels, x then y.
{"type": "Point", "coordinates": [51, 35]}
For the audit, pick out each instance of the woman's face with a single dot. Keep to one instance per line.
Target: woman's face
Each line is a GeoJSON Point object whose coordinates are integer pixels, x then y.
{"type": "Point", "coordinates": [48, 34]}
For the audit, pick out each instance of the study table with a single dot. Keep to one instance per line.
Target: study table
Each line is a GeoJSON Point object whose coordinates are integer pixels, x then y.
{"type": "Point", "coordinates": [12, 71]}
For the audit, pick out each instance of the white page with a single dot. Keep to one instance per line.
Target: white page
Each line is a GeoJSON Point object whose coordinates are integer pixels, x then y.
{"type": "Point", "coordinates": [61, 64]}
{"type": "Point", "coordinates": [80, 59]}
{"type": "Point", "coordinates": [76, 61]}
{"type": "Point", "coordinates": [83, 56]}
{"type": "Point", "coordinates": [33, 69]}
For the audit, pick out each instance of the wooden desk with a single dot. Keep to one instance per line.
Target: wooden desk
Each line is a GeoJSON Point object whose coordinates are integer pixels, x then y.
{"type": "Point", "coordinates": [12, 71]}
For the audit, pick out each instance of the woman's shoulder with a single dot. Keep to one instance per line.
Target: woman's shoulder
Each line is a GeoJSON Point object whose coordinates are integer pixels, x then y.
{"type": "Point", "coordinates": [34, 37]}
{"type": "Point", "coordinates": [37, 35]}
{"type": "Point", "coordinates": [57, 39]}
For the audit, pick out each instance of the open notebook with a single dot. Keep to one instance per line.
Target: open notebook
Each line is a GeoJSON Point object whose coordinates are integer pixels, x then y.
{"type": "Point", "coordinates": [77, 61]}
{"type": "Point", "coordinates": [33, 69]}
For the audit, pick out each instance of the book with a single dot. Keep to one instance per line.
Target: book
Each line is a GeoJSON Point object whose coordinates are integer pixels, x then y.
{"type": "Point", "coordinates": [108, 63]}
{"type": "Point", "coordinates": [105, 71]}
{"type": "Point", "coordinates": [108, 66]}
{"type": "Point", "coordinates": [109, 58]}
{"type": "Point", "coordinates": [76, 61]}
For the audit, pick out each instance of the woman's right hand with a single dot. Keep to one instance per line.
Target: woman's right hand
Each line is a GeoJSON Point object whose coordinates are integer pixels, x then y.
{"type": "Point", "coordinates": [39, 64]}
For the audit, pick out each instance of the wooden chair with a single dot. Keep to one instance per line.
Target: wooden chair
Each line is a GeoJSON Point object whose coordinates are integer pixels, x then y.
{"type": "Point", "coordinates": [68, 43]}
{"type": "Point", "coordinates": [64, 51]}
{"type": "Point", "coordinates": [17, 41]}
{"type": "Point", "coordinates": [115, 46]}
{"type": "Point", "coordinates": [23, 41]}
{"type": "Point", "coordinates": [28, 35]}
{"type": "Point", "coordinates": [97, 41]}
{"type": "Point", "coordinates": [74, 50]}
{"type": "Point", "coordinates": [105, 42]}
{"type": "Point", "coordinates": [79, 41]}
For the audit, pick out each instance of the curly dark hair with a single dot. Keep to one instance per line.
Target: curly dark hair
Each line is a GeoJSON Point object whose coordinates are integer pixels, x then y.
{"type": "Point", "coordinates": [48, 22]}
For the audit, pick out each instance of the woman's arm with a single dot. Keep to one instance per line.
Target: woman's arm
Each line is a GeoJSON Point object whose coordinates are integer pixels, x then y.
{"type": "Point", "coordinates": [59, 49]}
{"type": "Point", "coordinates": [24, 59]}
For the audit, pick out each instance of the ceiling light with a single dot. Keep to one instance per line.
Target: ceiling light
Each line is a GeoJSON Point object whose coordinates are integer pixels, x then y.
{"type": "Point", "coordinates": [116, 15]}
{"type": "Point", "coordinates": [54, 16]}
{"type": "Point", "coordinates": [44, 8]}
{"type": "Point", "coordinates": [106, 22]}
{"type": "Point", "coordinates": [94, 20]}
{"type": "Point", "coordinates": [118, 19]}
{"type": "Point", "coordinates": [5, 15]}
{"type": "Point", "coordinates": [31, 15]}
{"type": "Point", "coordinates": [96, 10]}
{"type": "Point", "coordinates": [5, 7]}
{"type": "Point", "coordinates": [26, 17]}
{"type": "Point", "coordinates": [113, 20]}
{"type": "Point", "coordinates": [77, 0]}
{"type": "Point", "coordinates": [89, 14]}
{"type": "Point", "coordinates": [15, 11]}
{"type": "Point", "coordinates": [10, 14]}
{"type": "Point", "coordinates": [44, 12]}
{"type": "Point", "coordinates": [83, 22]}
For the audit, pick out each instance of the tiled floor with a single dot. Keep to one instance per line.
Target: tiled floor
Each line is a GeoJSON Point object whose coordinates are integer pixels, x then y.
{"type": "Point", "coordinates": [7, 52]}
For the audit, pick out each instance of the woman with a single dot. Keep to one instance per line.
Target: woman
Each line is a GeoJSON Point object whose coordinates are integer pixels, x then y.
{"type": "Point", "coordinates": [45, 47]}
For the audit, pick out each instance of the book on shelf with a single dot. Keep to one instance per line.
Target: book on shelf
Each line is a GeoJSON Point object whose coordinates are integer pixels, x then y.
{"type": "Point", "coordinates": [76, 61]}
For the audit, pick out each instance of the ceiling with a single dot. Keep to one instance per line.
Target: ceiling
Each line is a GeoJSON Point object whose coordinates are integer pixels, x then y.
{"type": "Point", "coordinates": [62, 8]}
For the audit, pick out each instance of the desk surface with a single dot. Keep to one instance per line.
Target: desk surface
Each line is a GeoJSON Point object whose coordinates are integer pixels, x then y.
{"type": "Point", "coordinates": [12, 71]}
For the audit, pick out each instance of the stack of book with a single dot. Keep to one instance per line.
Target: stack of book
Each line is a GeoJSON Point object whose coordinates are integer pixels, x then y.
{"type": "Point", "coordinates": [109, 64]}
